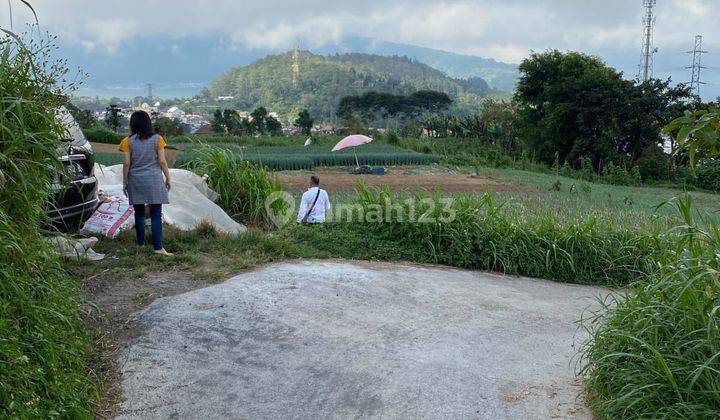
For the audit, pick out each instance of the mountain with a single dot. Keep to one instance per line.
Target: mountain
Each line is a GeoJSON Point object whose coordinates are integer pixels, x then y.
{"type": "Point", "coordinates": [181, 66]}
{"type": "Point", "coordinates": [324, 80]}
{"type": "Point", "coordinates": [500, 76]}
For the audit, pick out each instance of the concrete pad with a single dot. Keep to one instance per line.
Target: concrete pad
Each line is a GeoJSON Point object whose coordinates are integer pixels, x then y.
{"type": "Point", "coordinates": [346, 340]}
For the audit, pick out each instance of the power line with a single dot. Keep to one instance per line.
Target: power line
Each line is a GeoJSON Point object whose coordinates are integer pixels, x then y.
{"type": "Point", "coordinates": [648, 51]}
{"type": "Point", "coordinates": [697, 53]}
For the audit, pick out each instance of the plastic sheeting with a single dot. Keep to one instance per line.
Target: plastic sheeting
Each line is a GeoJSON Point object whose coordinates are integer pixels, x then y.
{"type": "Point", "coordinates": [191, 200]}
{"type": "Point", "coordinates": [80, 249]}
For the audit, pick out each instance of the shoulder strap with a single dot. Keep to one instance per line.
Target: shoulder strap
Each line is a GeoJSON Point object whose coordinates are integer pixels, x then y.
{"type": "Point", "coordinates": [305, 219]}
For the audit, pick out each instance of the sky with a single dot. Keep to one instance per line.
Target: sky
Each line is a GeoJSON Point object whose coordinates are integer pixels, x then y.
{"type": "Point", "coordinates": [505, 30]}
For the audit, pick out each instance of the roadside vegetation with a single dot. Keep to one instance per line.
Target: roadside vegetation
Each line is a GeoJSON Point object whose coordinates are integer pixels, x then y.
{"type": "Point", "coordinates": [43, 344]}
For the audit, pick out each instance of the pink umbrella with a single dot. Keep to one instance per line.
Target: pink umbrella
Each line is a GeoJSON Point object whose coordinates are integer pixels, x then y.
{"type": "Point", "coordinates": [352, 141]}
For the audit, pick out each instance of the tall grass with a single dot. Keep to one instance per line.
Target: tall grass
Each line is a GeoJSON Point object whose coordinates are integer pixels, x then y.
{"type": "Point", "coordinates": [481, 235]}
{"type": "Point", "coordinates": [42, 339]}
{"type": "Point", "coordinates": [242, 186]}
{"type": "Point", "coordinates": [655, 351]}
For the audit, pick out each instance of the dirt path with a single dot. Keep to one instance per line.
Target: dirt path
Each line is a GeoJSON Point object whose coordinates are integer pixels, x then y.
{"type": "Point", "coordinates": [324, 339]}
{"type": "Point", "coordinates": [115, 298]}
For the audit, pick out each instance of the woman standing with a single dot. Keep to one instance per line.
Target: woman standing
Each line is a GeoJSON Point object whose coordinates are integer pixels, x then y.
{"type": "Point", "coordinates": [144, 165]}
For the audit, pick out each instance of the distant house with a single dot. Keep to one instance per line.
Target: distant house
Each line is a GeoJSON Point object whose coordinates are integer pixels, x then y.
{"type": "Point", "coordinates": [175, 113]}
{"type": "Point", "coordinates": [204, 129]}
{"type": "Point", "coordinates": [225, 98]}
{"type": "Point", "coordinates": [327, 129]}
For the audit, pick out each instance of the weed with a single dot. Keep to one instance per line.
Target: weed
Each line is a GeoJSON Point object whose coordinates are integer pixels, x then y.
{"type": "Point", "coordinates": [42, 339]}
{"type": "Point", "coordinates": [655, 350]}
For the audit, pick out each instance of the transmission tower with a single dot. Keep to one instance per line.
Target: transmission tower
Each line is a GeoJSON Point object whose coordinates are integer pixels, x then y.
{"type": "Point", "coordinates": [296, 67]}
{"type": "Point", "coordinates": [697, 53]}
{"type": "Point", "coordinates": [646, 60]}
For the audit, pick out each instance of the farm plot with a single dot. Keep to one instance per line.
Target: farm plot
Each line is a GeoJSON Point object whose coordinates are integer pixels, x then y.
{"type": "Point", "coordinates": [298, 157]}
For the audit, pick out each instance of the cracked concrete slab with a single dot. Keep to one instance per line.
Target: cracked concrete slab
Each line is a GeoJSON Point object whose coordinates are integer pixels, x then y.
{"type": "Point", "coordinates": [320, 339]}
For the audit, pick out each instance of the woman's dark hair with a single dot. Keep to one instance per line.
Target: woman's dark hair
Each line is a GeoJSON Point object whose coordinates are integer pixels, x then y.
{"type": "Point", "coordinates": [141, 125]}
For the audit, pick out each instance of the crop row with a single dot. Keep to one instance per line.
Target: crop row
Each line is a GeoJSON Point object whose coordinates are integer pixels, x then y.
{"type": "Point", "coordinates": [307, 161]}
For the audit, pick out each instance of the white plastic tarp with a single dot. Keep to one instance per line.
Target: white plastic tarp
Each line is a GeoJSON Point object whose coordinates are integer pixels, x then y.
{"type": "Point", "coordinates": [191, 200]}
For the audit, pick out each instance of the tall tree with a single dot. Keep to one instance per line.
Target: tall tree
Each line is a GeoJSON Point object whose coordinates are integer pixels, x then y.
{"type": "Point", "coordinates": [273, 126]}
{"type": "Point", "coordinates": [113, 117]}
{"type": "Point", "coordinates": [573, 105]}
{"type": "Point", "coordinates": [168, 127]}
{"type": "Point", "coordinates": [218, 122]}
{"type": "Point", "coordinates": [259, 117]}
{"type": "Point", "coordinates": [304, 122]}
{"type": "Point", "coordinates": [84, 117]}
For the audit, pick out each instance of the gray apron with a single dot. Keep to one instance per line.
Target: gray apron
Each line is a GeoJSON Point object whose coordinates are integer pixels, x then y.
{"type": "Point", "coordinates": [146, 184]}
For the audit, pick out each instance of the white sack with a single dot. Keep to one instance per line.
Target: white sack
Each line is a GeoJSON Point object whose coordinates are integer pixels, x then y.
{"type": "Point", "coordinates": [113, 215]}
{"type": "Point", "coordinates": [191, 200]}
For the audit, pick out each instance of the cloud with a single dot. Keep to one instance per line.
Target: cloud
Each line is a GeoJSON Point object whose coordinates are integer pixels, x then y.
{"type": "Point", "coordinates": [507, 30]}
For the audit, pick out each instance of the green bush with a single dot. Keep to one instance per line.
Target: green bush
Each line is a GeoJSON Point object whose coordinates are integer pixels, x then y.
{"type": "Point", "coordinates": [42, 338]}
{"type": "Point", "coordinates": [482, 236]}
{"type": "Point", "coordinates": [707, 175]}
{"type": "Point", "coordinates": [392, 138]}
{"type": "Point", "coordinates": [653, 164]}
{"type": "Point", "coordinates": [655, 351]}
{"type": "Point", "coordinates": [102, 135]}
{"type": "Point", "coordinates": [617, 175]}
{"type": "Point", "coordinates": [243, 187]}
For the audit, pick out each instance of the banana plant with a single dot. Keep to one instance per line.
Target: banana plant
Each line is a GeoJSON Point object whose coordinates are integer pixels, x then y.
{"type": "Point", "coordinates": [697, 133]}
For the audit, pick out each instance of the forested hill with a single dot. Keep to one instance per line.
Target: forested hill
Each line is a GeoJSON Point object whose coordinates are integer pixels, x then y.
{"type": "Point", "coordinates": [324, 80]}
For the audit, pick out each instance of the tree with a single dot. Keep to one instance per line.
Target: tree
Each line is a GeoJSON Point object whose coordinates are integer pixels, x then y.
{"type": "Point", "coordinates": [113, 117]}
{"type": "Point", "coordinates": [375, 105]}
{"type": "Point", "coordinates": [356, 125]}
{"type": "Point", "coordinates": [498, 123]}
{"type": "Point", "coordinates": [217, 122]}
{"type": "Point", "coordinates": [304, 122]}
{"type": "Point", "coordinates": [573, 105]}
{"type": "Point", "coordinates": [428, 100]}
{"type": "Point", "coordinates": [231, 121]}
{"type": "Point", "coordinates": [259, 116]}
{"type": "Point", "coordinates": [168, 127]}
{"type": "Point", "coordinates": [273, 126]}
{"type": "Point", "coordinates": [698, 134]}
{"type": "Point", "coordinates": [84, 117]}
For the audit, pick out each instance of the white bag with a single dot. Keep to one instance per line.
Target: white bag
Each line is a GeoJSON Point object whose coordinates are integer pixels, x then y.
{"type": "Point", "coordinates": [112, 216]}
{"type": "Point", "coordinates": [191, 201]}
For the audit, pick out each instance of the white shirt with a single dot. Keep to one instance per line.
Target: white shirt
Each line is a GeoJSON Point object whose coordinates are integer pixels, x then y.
{"type": "Point", "coordinates": [317, 215]}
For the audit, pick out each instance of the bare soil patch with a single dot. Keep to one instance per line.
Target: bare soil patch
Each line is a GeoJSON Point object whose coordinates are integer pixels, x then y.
{"type": "Point", "coordinates": [113, 297]}
{"type": "Point", "coordinates": [399, 179]}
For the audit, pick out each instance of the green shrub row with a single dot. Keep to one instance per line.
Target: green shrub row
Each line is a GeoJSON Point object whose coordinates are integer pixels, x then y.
{"type": "Point", "coordinates": [102, 135]}
{"type": "Point", "coordinates": [482, 236]}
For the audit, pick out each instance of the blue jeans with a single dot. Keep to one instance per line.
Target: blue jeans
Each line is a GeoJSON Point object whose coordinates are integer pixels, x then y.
{"type": "Point", "coordinates": [156, 220]}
